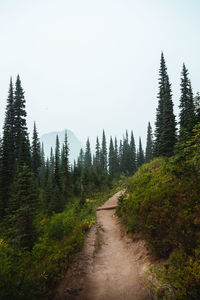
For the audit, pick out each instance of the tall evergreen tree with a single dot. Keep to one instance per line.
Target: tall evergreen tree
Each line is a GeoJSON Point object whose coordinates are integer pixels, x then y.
{"type": "Point", "coordinates": [111, 160]}
{"type": "Point", "coordinates": [7, 151]}
{"type": "Point", "coordinates": [187, 109]}
{"type": "Point", "coordinates": [35, 151]}
{"type": "Point", "coordinates": [132, 156]}
{"type": "Point", "coordinates": [65, 169]}
{"type": "Point", "coordinates": [104, 153]}
{"type": "Point", "coordinates": [97, 158]}
{"type": "Point", "coordinates": [149, 144]}
{"type": "Point", "coordinates": [88, 155]}
{"type": "Point", "coordinates": [57, 164]}
{"type": "Point", "coordinates": [116, 158]}
{"type": "Point", "coordinates": [19, 115]}
{"type": "Point", "coordinates": [140, 154]}
{"type": "Point", "coordinates": [125, 155]}
{"type": "Point", "coordinates": [165, 131]}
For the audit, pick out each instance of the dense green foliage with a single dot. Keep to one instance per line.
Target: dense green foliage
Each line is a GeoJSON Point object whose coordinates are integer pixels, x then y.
{"type": "Point", "coordinates": [165, 126]}
{"type": "Point", "coordinates": [33, 274]}
{"type": "Point", "coordinates": [162, 202]}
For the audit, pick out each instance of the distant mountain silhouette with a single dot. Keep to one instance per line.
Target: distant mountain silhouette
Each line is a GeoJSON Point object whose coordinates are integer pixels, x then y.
{"type": "Point", "coordinates": [49, 140]}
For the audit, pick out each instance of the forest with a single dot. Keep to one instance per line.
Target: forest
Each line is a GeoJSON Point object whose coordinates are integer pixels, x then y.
{"type": "Point", "coordinates": [47, 204]}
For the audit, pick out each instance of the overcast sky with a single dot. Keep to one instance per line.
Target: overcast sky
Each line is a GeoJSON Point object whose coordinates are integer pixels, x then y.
{"type": "Point", "coordinates": [86, 65]}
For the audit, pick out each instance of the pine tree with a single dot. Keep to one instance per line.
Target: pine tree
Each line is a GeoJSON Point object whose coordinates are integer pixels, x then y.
{"type": "Point", "coordinates": [104, 154]}
{"type": "Point", "coordinates": [116, 158]}
{"type": "Point", "coordinates": [51, 164]}
{"type": "Point", "coordinates": [132, 156]}
{"type": "Point", "coordinates": [57, 164]}
{"type": "Point", "coordinates": [7, 151]}
{"type": "Point", "coordinates": [19, 115]}
{"type": "Point", "coordinates": [65, 169]}
{"type": "Point", "coordinates": [125, 155]}
{"type": "Point", "coordinates": [88, 156]}
{"type": "Point", "coordinates": [187, 109]}
{"type": "Point", "coordinates": [111, 161]}
{"type": "Point", "coordinates": [140, 155]}
{"type": "Point", "coordinates": [165, 131]}
{"type": "Point", "coordinates": [35, 151]}
{"type": "Point", "coordinates": [149, 144]}
{"type": "Point", "coordinates": [97, 158]}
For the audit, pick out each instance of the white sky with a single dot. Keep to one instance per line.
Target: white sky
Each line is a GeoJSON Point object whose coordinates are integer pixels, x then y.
{"type": "Point", "coordinates": [87, 65]}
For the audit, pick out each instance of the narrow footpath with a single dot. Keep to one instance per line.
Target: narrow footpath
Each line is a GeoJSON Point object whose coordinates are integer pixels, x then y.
{"type": "Point", "coordinates": [110, 266]}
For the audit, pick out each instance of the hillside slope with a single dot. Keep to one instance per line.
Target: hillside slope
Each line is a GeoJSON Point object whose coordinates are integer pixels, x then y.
{"type": "Point", "coordinates": [163, 203]}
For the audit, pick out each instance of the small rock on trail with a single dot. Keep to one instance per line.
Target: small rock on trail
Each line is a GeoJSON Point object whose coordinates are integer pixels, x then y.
{"type": "Point", "coordinates": [110, 265]}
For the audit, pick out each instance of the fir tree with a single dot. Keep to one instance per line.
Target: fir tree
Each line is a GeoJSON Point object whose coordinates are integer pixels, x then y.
{"type": "Point", "coordinates": [125, 155]}
{"type": "Point", "coordinates": [116, 158]}
{"type": "Point", "coordinates": [132, 155]}
{"type": "Point", "coordinates": [149, 144]}
{"type": "Point", "coordinates": [165, 131]}
{"type": "Point", "coordinates": [187, 109]}
{"type": "Point", "coordinates": [104, 153]}
{"type": "Point", "coordinates": [97, 158]}
{"type": "Point", "coordinates": [57, 164]}
{"type": "Point", "coordinates": [35, 151]}
{"type": "Point", "coordinates": [24, 156]}
{"type": "Point", "coordinates": [111, 161]}
{"type": "Point", "coordinates": [7, 151]}
{"type": "Point", "coordinates": [19, 115]}
{"type": "Point", "coordinates": [65, 169]}
{"type": "Point", "coordinates": [140, 155]}
{"type": "Point", "coordinates": [88, 156]}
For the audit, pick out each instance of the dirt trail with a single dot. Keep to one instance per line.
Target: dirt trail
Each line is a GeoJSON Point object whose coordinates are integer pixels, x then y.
{"type": "Point", "coordinates": [109, 266]}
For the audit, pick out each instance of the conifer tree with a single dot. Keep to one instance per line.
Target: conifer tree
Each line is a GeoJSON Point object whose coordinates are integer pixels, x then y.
{"type": "Point", "coordinates": [42, 164]}
{"type": "Point", "coordinates": [97, 158]}
{"type": "Point", "coordinates": [140, 154]}
{"type": "Point", "coordinates": [111, 161]}
{"type": "Point", "coordinates": [19, 115]}
{"type": "Point", "coordinates": [88, 155]}
{"type": "Point", "coordinates": [116, 158]}
{"type": "Point", "coordinates": [51, 164]}
{"type": "Point", "coordinates": [65, 169]}
{"type": "Point", "coordinates": [125, 155]}
{"type": "Point", "coordinates": [165, 131]}
{"type": "Point", "coordinates": [24, 156]}
{"type": "Point", "coordinates": [104, 153]}
{"type": "Point", "coordinates": [149, 144]}
{"type": "Point", "coordinates": [57, 164]}
{"type": "Point", "coordinates": [132, 156]}
{"type": "Point", "coordinates": [187, 109]}
{"type": "Point", "coordinates": [7, 151]}
{"type": "Point", "coordinates": [35, 151]}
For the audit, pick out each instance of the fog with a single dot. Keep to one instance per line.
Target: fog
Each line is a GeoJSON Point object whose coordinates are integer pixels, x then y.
{"type": "Point", "coordinates": [93, 65]}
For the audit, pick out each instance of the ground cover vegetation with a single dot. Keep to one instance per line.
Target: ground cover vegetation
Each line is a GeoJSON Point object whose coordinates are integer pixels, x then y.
{"type": "Point", "coordinates": [162, 200]}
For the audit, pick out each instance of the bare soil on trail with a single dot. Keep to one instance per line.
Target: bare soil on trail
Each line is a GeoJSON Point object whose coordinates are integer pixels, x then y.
{"type": "Point", "coordinates": [110, 265]}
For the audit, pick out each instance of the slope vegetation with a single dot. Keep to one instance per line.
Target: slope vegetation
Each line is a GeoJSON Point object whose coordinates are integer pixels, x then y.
{"type": "Point", "coordinates": [163, 203]}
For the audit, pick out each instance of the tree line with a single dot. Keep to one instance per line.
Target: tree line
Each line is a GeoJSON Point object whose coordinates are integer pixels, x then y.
{"type": "Point", "coordinates": [30, 182]}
